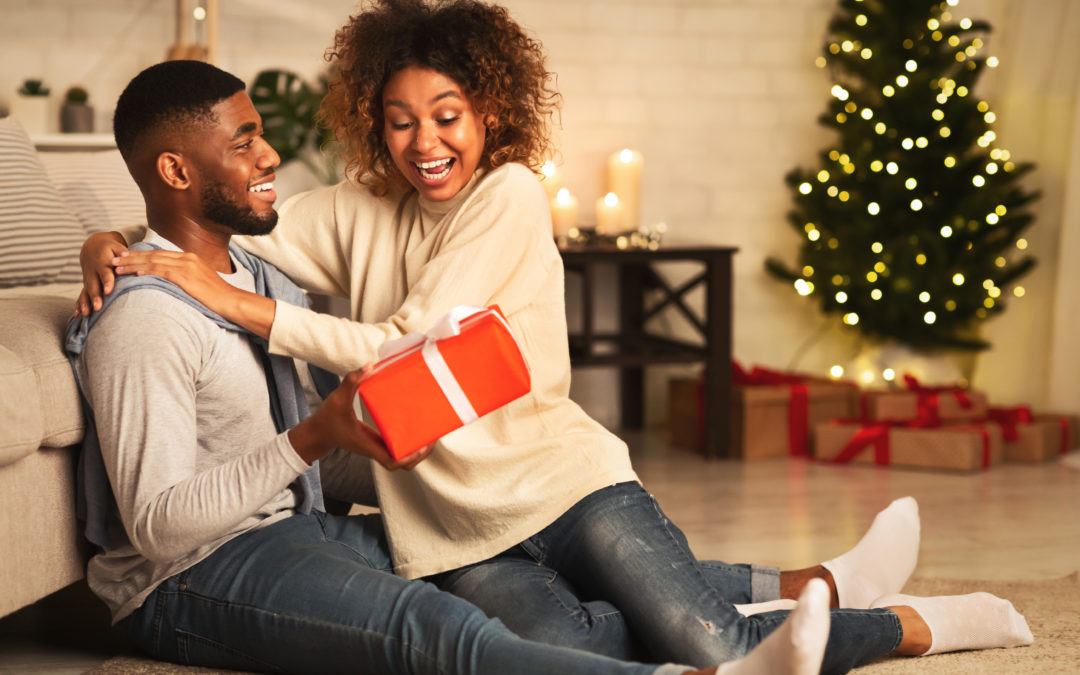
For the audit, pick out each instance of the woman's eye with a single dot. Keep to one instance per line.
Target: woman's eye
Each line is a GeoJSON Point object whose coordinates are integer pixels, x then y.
{"type": "Point", "coordinates": [400, 126]}
{"type": "Point", "coordinates": [447, 121]}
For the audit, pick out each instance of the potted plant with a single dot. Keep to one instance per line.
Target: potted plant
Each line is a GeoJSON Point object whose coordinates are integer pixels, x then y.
{"type": "Point", "coordinates": [31, 106]}
{"type": "Point", "coordinates": [76, 115]}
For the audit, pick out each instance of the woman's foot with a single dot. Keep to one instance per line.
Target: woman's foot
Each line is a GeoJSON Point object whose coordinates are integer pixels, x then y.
{"type": "Point", "coordinates": [883, 559]}
{"type": "Point", "coordinates": [797, 646]}
{"type": "Point", "coordinates": [953, 622]}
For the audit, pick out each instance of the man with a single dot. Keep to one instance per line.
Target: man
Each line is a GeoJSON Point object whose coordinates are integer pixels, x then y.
{"type": "Point", "coordinates": [200, 483]}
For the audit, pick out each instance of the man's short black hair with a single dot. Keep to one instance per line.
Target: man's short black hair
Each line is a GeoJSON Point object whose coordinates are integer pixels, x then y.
{"type": "Point", "coordinates": [172, 94]}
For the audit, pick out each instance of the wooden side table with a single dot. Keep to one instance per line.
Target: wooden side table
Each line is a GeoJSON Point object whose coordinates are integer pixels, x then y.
{"type": "Point", "coordinates": [631, 347]}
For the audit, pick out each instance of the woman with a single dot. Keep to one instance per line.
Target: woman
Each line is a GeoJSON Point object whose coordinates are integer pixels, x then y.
{"type": "Point", "coordinates": [443, 113]}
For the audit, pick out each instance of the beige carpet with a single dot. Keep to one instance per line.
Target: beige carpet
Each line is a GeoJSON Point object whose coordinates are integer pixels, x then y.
{"type": "Point", "coordinates": [1052, 609]}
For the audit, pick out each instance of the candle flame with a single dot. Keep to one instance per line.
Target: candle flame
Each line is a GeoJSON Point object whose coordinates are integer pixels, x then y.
{"type": "Point", "coordinates": [548, 169]}
{"type": "Point", "coordinates": [562, 197]}
{"type": "Point", "coordinates": [626, 155]}
{"type": "Point", "coordinates": [611, 199]}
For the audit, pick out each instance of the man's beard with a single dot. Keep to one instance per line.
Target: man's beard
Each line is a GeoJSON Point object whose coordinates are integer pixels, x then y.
{"type": "Point", "coordinates": [240, 218]}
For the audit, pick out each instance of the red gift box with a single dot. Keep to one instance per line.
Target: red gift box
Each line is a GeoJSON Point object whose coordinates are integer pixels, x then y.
{"type": "Point", "coordinates": [914, 444]}
{"type": "Point", "coordinates": [888, 404]}
{"type": "Point", "coordinates": [774, 412]}
{"type": "Point", "coordinates": [1031, 438]}
{"type": "Point", "coordinates": [427, 385]}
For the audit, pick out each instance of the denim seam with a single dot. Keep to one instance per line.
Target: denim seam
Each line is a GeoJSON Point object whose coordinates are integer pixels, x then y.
{"type": "Point", "coordinates": [309, 620]}
{"type": "Point", "coordinates": [218, 645]}
{"type": "Point", "coordinates": [571, 611]}
{"type": "Point", "coordinates": [667, 531]}
{"type": "Point", "coordinates": [899, 629]}
{"type": "Point", "coordinates": [328, 539]}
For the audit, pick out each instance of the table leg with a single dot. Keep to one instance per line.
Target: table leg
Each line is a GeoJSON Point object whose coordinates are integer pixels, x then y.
{"type": "Point", "coordinates": [718, 362]}
{"type": "Point", "coordinates": [631, 317]}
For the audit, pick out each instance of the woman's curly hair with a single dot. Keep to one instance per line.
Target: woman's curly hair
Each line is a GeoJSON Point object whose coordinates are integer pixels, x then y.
{"type": "Point", "coordinates": [498, 67]}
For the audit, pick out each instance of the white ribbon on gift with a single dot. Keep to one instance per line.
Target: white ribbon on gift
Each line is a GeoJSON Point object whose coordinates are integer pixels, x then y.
{"type": "Point", "coordinates": [447, 327]}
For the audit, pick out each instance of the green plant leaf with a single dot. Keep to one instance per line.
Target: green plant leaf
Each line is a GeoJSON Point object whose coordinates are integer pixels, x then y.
{"type": "Point", "coordinates": [287, 106]}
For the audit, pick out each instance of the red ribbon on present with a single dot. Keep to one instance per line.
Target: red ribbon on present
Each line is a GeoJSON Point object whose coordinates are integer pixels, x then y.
{"type": "Point", "coordinates": [930, 396]}
{"type": "Point", "coordinates": [798, 401]}
{"type": "Point", "coordinates": [1064, 422]}
{"type": "Point", "coordinates": [1009, 418]}
{"type": "Point", "coordinates": [875, 434]}
{"type": "Point", "coordinates": [985, 441]}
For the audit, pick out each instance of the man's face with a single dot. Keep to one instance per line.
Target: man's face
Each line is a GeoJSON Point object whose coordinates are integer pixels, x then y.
{"type": "Point", "coordinates": [236, 169]}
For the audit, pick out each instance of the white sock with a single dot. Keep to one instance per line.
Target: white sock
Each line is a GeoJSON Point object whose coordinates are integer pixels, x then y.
{"type": "Point", "coordinates": [768, 606]}
{"type": "Point", "coordinates": [974, 621]}
{"type": "Point", "coordinates": [883, 559]}
{"type": "Point", "coordinates": [797, 646]}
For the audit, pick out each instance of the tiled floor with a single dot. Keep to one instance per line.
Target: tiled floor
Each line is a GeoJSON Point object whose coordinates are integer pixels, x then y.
{"type": "Point", "coordinates": [1012, 522]}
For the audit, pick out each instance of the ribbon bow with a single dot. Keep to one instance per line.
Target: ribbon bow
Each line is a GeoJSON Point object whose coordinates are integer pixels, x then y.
{"type": "Point", "coordinates": [929, 396]}
{"type": "Point", "coordinates": [449, 326]}
{"type": "Point", "coordinates": [1009, 418]}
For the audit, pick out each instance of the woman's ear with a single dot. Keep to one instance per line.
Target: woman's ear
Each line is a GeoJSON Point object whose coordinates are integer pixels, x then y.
{"type": "Point", "coordinates": [173, 170]}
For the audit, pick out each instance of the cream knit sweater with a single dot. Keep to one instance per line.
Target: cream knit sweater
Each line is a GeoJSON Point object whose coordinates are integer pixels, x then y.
{"type": "Point", "coordinates": [403, 262]}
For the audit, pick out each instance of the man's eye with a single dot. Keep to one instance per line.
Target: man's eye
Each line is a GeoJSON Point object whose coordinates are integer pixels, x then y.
{"type": "Point", "coordinates": [245, 145]}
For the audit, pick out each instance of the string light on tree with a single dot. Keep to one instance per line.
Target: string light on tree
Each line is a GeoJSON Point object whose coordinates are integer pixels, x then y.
{"type": "Point", "coordinates": [914, 197]}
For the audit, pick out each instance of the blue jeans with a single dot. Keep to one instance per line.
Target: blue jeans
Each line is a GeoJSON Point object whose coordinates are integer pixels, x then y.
{"type": "Point", "coordinates": [615, 548]}
{"type": "Point", "coordinates": [315, 594]}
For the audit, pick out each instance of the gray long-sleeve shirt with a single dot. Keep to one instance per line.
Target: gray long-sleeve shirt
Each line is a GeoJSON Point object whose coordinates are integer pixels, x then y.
{"type": "Point", "coordinates": [191, 450]}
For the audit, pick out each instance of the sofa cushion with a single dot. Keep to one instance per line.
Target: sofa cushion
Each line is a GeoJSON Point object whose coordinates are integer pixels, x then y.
{"type": "Point", "coordinates": [40, 405]}
{"type": "Point", "coordinates": [21, 420]}
{"type": "Point", "coordinates": [97, 188]}
{"type": "Point", "coordinates": [39, 237]}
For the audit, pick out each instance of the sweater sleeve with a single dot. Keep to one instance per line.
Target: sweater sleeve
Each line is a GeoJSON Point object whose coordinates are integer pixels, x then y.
{"type": "Point", "coordinates": [141, 369]}
{"type": "Point", "coordinates": [494, 248]}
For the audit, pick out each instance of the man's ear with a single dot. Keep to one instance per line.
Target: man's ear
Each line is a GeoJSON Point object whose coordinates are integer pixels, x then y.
{"type": "Point", "coordinates": [173, 170]}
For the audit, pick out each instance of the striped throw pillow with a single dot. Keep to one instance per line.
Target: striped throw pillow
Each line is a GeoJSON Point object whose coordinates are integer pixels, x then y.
{"type": "Point", "coordinates": [97, 188]}
{"type": "Point", "coordinates": [39, 237]}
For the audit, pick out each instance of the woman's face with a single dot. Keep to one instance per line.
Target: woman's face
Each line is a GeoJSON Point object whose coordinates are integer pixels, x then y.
{"type": "Point", "coordinates": [433, 134]}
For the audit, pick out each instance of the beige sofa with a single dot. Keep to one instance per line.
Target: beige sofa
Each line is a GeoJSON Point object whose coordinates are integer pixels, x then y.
{"type": "Point", "coordinates": [48, 203]}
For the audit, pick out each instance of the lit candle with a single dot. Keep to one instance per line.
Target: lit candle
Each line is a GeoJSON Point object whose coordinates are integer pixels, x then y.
{"type": "Point", "coordinates": [551, 179]}
{"type": "Point", "coordinates": [609, 214]}
{"type": "Point", "coordinates": [564, 212]}
{"type": "Point", "coordinates": [624, 179]}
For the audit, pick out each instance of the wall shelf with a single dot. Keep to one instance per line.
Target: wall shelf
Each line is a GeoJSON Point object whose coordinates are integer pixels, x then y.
{"type": "Point", "coordinates": [57, 142]}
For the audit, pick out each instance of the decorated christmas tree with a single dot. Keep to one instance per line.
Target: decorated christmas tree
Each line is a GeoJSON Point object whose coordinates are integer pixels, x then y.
{"type": "Point", "coordinates": [913, 220]}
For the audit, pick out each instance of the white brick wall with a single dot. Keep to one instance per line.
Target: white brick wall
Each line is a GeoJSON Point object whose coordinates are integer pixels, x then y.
{"type": "Point", "coordinates": [720, 96]}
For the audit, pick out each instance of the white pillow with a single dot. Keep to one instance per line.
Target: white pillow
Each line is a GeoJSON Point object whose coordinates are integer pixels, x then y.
{"type": "Point", "coordinates": [39, 237]}
{"type": "Point", "coordinates": [97, 188]}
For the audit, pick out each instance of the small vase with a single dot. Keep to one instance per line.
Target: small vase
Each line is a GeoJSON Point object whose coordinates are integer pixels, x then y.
{"type": "Point", "coordinates": [76, 118]}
